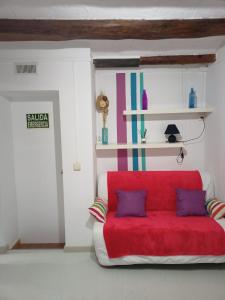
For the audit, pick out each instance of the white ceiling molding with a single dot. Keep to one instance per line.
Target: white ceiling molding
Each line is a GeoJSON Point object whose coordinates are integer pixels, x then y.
{"type": "Point", "coordinates": [129, 48]}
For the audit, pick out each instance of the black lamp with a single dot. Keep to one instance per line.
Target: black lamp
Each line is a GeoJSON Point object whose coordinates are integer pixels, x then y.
{"type": "Point", "coordinates": [171, 130]}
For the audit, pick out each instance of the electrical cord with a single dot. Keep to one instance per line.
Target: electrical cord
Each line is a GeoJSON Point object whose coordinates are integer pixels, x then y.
{"type": "Point", "coordinates": [180, 156]}
{"type": "Point", "coordinates": [200, 135]}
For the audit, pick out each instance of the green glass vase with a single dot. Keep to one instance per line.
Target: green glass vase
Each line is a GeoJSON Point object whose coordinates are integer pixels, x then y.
{"type": "Point", "coordinates": [104, 136]}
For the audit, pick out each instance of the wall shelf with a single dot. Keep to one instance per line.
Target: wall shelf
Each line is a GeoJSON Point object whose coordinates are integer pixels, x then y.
{"type": "Point", "coordinates": [164, 145]}
{"type": "Point", "coordinates": [169, 110]}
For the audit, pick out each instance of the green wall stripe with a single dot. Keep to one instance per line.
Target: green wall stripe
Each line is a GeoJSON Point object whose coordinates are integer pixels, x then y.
{"type": "Point", "coordinates": [143, 157]}
{"type": "Point", "coordinates": [133, 85]}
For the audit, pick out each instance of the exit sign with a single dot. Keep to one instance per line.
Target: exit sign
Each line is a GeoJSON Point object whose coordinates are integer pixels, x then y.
{"type": "Point", "coordinates": [37, 120]}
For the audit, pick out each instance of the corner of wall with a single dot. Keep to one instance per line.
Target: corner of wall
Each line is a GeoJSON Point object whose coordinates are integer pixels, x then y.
{"type": "Point", "coordinates": [220, 55]}
{"type": "Point", "coordinates": [9, 224]}
{"type": "Point", "coordinates": [215, 140]}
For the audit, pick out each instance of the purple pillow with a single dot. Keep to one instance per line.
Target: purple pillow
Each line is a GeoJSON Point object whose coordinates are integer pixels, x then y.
{"type": "Point", "coordinates": [131, 203]}
{"type": "Point", "coordinates": [191, 202]}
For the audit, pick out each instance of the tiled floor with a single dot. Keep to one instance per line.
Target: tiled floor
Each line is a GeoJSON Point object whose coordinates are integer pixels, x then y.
{"type": "Point", "coordinates": [55, 275]}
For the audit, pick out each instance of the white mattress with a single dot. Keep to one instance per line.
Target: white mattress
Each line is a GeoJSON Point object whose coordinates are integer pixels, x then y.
{"type": "Point", "coordinates": [100, 247]}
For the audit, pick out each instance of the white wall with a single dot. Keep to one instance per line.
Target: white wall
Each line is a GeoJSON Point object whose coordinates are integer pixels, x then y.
{"type": "Point", "coordinates": [8, 205]}
{"type": "Point", "coordinates": [165, 87]}
{"type": "Point", "coordinates": [215, 137]}
{"type": "Point", "coordinates": [69, 73]}
{"type": "Point", "coordinates": [39, 209]}
{"type": "Point", "coordinates": [59, 168]}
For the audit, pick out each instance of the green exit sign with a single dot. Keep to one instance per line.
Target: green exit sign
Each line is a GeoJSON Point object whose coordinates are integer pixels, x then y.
{"type": "Point", "coordinates": [37, 120]}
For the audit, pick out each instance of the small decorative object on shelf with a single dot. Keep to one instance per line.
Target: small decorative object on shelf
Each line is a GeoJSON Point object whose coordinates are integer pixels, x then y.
{"type": "Point", "coordinates": [144, 100]}
{"type": "Point", "coordinates": [192, 99]}
{"type": "Point", "coordinates": [102, 105]}
{"type": "Point", "coordinates": [143, 137]}
{"type": "Point", "coordinates": [171, 131]}
{"type": "Point", "coordinates": [99, 139]}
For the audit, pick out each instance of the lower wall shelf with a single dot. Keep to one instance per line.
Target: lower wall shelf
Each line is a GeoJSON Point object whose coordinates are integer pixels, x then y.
{"type": "Point", "coordinates": [139, 146]}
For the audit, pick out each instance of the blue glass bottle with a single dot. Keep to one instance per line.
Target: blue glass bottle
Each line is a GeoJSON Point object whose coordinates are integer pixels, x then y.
{"type": "Point", "coordinates": [192, 99]}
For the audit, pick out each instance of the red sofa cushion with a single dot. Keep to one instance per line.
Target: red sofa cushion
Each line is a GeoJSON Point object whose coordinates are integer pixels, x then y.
{"type": "Point", "coordinates": [160, 185]}
{"type": "Point", "coordinates": [162, 233]}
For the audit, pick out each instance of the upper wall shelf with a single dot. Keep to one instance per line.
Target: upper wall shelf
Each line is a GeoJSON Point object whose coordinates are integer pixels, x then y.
{"type": "Point", "coordinates": [169, 110]}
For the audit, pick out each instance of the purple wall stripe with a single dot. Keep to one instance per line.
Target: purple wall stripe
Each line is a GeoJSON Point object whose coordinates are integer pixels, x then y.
{"type": "Point", "coordinates": [122, 160]}
{"type": "Point", "coordinates": [121, 120]}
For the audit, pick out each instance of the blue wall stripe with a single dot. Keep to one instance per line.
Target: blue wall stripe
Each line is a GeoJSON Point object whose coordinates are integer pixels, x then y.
{"type": "Point", "coordinates": [143, 158]}
{"type": "Point", "coordinates": [135, 159]}
{"type": "Point", "coordinates": [133, 85]}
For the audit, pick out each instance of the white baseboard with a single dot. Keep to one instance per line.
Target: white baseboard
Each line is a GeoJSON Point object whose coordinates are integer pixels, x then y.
{"type": "Point", "coordinates": [79, 249]}
{"type": "Point", "coordinates": [14, 243]}
{"type": "Point", "coordinates": [3, 249]}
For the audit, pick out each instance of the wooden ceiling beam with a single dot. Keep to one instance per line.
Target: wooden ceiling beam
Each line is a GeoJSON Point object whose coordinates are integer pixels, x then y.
{"type": "Point", "coordinates": [62, 30]}
{"type": "Point", "coordinates": [116, 63]}
{"type": "Point", "coordinates": [154, 60]}
{"type": "Point", "coordinates": [178, 59]}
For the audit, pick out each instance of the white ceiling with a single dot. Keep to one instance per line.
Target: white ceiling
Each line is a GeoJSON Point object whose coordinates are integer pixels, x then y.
{"type": "Point", "coordinates": [114, 9]}
{"type": "Point", "coordinates": [119, 9]}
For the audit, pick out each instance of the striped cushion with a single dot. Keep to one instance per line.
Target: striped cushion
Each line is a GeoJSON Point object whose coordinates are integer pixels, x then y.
{"type": "Point", "coordinates": [216, 208]}
{"type": "Point", "coordinates": [99, 210]}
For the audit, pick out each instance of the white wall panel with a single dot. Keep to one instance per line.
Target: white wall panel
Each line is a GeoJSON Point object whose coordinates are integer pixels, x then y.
{"type": "Point", "coordinates": [165, 87]}
{"type": "Point", "coordinates": [68, 72]}
{"type": "Point", "coordinates": [8, 204]}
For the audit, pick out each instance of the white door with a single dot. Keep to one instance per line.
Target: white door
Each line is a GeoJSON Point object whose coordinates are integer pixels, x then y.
{"type": "Point", "coordinates": [38, 167]}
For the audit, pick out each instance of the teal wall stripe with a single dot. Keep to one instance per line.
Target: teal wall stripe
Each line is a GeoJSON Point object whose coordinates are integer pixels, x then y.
{"type": "Point", "coordinates": [133, 85]}
{"type": "Point", "coordinates": [141, 92]}
{"type": "Point", "coordinates": [143, 157]}
{"type": "Point", "coordinates": [135, 159]}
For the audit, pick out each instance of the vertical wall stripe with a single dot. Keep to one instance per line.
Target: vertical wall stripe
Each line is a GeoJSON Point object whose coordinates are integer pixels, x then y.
{"type": "Point", "coordinates": [121, 120]}
{"type": "Point", "coordinates": [143, 159]}
{"type": "Point", "coordinates": [133, 85]}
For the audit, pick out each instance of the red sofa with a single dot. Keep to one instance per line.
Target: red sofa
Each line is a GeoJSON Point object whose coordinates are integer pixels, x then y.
{"type": "Point", "coordinates": [161, 236]}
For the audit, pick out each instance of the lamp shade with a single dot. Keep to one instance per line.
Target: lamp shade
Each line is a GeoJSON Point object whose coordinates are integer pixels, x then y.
{"type": "Point", "coordinates": [172, 129]}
